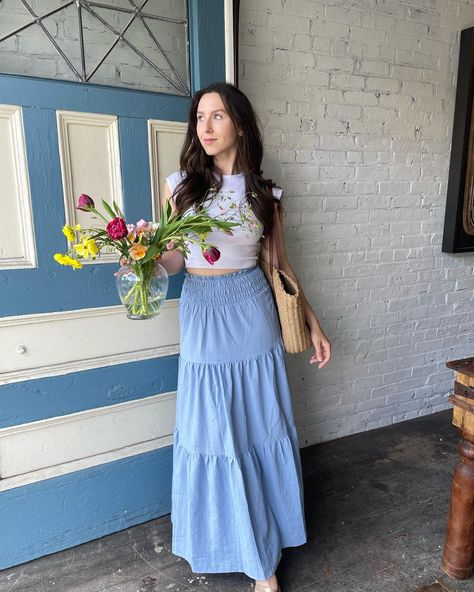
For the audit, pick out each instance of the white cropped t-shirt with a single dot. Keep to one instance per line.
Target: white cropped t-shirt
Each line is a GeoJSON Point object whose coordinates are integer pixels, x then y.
{"type": "Point", "coordinates": [242, 248]}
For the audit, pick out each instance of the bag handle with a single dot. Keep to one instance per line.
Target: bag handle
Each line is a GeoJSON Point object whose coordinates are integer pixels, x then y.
{"type": "Point", "coordinates": [279, 257]}
{"type": "Point", "coordinates": [275, 242]}
{"type": "Point", "coordinates": [278, 244]}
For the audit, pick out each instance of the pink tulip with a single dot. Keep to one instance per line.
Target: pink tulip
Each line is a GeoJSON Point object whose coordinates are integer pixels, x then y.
{"type": "Point", "coordinates": [85, 203]}
{"type": "Point", "coordinates": [132, 232]}
{"type": "Point", "coordinates": [211, 254]}
{"type": "Point", "coordinates": [142, 227]}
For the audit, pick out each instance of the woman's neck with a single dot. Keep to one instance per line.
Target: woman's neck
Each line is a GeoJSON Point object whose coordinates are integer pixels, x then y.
{"type": "Point", "coordinates": [227, 166]}
{"type": "Point", "coordinates": [228, 174]}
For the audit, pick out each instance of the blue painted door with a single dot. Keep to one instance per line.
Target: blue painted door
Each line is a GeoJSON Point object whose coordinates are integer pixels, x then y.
{"type": "Point", "coordinates": [44, 511]}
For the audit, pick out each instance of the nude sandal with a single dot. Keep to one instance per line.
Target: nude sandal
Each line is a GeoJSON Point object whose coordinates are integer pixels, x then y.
{"type": "Point", "coordinates": [260, 588]}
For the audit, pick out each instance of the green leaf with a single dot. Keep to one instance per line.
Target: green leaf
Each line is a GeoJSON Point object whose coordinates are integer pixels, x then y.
{"type": "Point", "coordinates": [153, 250]}
{"type": "Point", "coordinates": [117, 209]}
{"type": "Point", "coordinates": [108, 209]}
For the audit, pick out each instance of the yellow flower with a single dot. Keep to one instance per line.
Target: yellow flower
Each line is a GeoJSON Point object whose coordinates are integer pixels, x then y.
{"type": "Point", "coordinates": [81, 250]}
{"type": "Point", "coordinates": [69, 233]}
{"type": "Point", "coordinates": [66, 260]}
{"type": "Point", "coordinates": [138, 251]}
{"type": "Point", "coordinates": [87, 248]}
{"type": "Point", "coordinates": [73, 263]}
{"type": "Point", "coordinates": [92, 246]}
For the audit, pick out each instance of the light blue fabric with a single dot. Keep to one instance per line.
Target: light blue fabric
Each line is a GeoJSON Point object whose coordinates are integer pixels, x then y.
{"type": "Point", "coordinates": [237, 488]}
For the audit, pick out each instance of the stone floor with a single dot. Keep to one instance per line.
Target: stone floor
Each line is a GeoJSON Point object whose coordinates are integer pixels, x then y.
{"type": "Point", "coordinates": [376, 510]}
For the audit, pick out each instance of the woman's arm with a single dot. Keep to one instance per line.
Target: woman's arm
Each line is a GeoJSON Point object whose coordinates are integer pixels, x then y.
{"type": "Point", "coordinates": [172, 261]}
{"type": "Point", "coordinates": [320, 340]}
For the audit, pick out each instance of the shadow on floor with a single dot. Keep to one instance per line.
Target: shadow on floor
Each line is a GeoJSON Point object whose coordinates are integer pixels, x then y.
{"type": "Point", "coordinates": [376, 513]}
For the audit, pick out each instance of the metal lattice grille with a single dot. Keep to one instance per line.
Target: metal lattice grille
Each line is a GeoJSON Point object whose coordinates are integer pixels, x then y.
{"type": "Point", "coordinates": [141, 44]}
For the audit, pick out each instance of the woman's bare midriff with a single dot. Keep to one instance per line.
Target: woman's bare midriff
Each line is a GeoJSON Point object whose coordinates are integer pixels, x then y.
{"type": "Point", "coordinates": [201, 271]}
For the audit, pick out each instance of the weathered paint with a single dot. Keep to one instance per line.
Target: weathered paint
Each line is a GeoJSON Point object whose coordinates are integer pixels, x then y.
{"type": "Point", "coordinates": [58, 513]}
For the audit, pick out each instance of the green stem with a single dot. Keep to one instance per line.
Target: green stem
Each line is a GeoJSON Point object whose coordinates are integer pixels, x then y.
{"type": "Point", "coordinates": [99, 214]}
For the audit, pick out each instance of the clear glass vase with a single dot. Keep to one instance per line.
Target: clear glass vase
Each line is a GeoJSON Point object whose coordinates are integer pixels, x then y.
{"type": "Point", "coordinates": [142, 289]}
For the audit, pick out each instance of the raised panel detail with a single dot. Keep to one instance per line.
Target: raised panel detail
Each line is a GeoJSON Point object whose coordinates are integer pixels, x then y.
{"type": "Point", "coordinates": [165, 139]}
{"type": "Point", "coordinates": [43, 449]}
{"type": "Point", "coordinates": [51, 344]}
{"type": "Point", "coordinates": [90, 163]}
{"type": "Point", "coordinates": [17, 241]}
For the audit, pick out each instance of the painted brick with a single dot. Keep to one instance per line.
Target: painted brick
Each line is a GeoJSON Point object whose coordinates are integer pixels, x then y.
{"type": "Point", "coordinates": [373, 67]}
{"type": "Point", "coordinates": [342, 14]}
{"type": "Point", "coordinates": [360, 98]}
{"type": "Point", "coordinates": [365, 35]}
{"type": "Point", "coordinates": [346, 81]}
{"type": "Point", "coordinates": [288, 22]}
{"type": "Point", "coordinates": [330, 29]}
{"type": "Point", "coordinates": [335, 63]}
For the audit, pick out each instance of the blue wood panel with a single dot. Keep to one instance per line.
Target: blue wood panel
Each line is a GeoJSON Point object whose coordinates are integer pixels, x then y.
{"type": "Point", "coordinates": [42, 93]}
{"type": "Point", "coordinates": [207, 42]}
{"type": "Point", "coordinates": [33, 400]}
{"type": "Point", "coordinates": [62, 512]}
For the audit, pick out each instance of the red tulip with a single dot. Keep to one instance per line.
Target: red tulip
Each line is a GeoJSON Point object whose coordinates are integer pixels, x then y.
{"type": "Point", "coordinates": [211, 254]}
{"type": "Point", "coordinates": [85, 202]}
{"type": "Point", "coordinates": [117, 228]}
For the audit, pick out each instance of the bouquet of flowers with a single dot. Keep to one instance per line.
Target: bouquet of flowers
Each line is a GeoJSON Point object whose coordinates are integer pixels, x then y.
{"type": "Point", "coordinates": [142, 281]}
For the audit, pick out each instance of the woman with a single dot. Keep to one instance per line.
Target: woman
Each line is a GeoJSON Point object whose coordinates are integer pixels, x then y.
{"type": "Point", "coordinates": [237, 491]}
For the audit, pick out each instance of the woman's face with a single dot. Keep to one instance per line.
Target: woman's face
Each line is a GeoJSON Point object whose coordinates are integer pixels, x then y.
{"type": "Point", "coordinates": [214, 123]}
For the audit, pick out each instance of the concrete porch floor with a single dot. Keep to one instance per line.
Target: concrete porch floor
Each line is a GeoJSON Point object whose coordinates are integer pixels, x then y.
{"type": "Point", "coordinates": [376, 511]}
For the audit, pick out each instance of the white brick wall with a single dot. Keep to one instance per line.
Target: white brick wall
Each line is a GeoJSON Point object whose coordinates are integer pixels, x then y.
{"type": "Point", "coordinates": [356, 99]}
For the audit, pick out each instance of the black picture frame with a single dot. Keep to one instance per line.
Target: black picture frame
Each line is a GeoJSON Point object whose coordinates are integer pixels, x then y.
{"type": "Point", "coordinates": [458, 237]}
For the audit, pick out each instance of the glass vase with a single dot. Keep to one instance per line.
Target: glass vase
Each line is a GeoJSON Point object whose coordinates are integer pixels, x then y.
{"type": "Point", "coordinates": [142, 288]}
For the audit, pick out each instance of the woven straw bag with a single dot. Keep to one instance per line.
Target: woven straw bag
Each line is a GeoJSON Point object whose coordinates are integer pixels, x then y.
{"type": "Point", "coordinates": [287, 293]}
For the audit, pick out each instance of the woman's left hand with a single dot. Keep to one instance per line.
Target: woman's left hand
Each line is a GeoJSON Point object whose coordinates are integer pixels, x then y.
{"type": "Point", "coordinates": [322, 346]}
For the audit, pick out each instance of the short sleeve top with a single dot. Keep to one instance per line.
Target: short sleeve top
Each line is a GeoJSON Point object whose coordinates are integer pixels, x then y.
{"type": "Point", "coordinates": [242, 248]}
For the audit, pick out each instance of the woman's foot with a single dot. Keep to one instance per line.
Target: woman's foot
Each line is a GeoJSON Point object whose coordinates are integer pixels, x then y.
{"type": "Point", "coordinates": [270, 585]}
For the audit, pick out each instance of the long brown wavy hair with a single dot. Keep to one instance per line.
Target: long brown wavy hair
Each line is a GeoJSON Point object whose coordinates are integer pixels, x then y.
{"type": "Point", "coordinates": [199, 169]}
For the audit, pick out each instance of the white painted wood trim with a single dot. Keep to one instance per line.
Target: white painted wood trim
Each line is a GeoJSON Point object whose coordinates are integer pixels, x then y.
{"type": "Point", "coordinates": [113, 173]}
{"type": "Point", "coordinates": [56, 446]}
{"type": "Point", "coordinates": [57, 343]}
{"type": "Point", "coordinates": [229, 41]}
{"type": "Point", "coordinates": [162, 165]}
{"type": "Point", "coordinates": [28, 259]}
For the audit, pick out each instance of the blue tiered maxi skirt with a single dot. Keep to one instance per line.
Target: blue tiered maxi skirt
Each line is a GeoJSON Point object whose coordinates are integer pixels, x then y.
{"type": "Point", "coordinates": [237, 488]}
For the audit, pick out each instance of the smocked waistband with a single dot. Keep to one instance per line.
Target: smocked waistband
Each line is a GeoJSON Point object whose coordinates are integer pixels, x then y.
{"type": "Point", "coordinates": [225, 287]}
